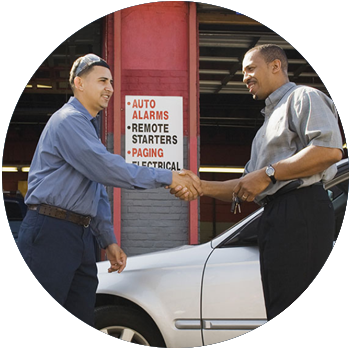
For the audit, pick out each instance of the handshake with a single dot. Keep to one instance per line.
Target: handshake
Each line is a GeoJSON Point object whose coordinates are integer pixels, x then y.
{"type": "Point", "coordinates": [186, 185]}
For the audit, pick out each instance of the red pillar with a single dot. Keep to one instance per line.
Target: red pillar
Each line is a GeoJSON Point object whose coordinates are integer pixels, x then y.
{"type": "Point", "coordinates": [193, 115]}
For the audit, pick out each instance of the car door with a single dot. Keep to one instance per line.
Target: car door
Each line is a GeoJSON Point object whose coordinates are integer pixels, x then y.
{"type": "Point", "coordinates": [232, 300]}
{"type": "Point", "coordinates": [232, 295]}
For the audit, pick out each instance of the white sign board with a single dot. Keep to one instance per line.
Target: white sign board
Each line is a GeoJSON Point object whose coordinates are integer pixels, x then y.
{"type": "Point", "coordinates": [154, 131]}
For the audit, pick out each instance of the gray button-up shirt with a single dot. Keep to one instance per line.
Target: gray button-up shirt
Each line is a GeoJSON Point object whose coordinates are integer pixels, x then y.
{"type": "Point", "coordinates": [71, 166]}
{"type": "Point", "coordinates": [295, 117]}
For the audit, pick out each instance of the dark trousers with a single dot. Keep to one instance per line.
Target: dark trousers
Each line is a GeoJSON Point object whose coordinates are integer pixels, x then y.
{"type": "Point", "coordinates": [295, 238]}
{"type": "Point", "coordinates": [61, 256]}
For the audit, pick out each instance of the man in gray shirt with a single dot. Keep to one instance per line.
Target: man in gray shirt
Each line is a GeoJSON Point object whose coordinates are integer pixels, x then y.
{"type": "Point", "coordinates": [292, 153]}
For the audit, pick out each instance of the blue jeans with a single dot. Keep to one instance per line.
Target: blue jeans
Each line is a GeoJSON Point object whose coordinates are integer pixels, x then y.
{"type": "Point", "coordinates": [61, 256]}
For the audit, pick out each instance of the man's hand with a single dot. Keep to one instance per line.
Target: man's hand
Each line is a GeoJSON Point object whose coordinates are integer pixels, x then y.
{"type": "Point", "coordinates": [251, 185]}
{"type": "Point", "coordinates": [186, 185]}
{"type": "Point", "coordinates": [116, 257]}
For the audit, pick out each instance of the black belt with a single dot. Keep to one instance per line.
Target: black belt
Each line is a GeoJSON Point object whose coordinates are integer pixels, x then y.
{"type": "Point", "coordinates": [59, 213]}
{"type": "Point", "coordinates": [284, 190]}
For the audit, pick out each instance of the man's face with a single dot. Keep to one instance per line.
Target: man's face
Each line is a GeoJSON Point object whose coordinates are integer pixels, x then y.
{"type": "Point", "coordinates": [97, 89]}
{"type": "Point", "coordinates": [257, 75]}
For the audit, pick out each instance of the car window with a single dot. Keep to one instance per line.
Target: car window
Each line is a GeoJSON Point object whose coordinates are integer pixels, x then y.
{"type": "Point", "coordinates": [247, 234]}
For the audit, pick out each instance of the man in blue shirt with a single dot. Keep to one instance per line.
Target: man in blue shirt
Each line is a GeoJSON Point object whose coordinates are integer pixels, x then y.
{"type": "Point", "coordinates": [66, 198]}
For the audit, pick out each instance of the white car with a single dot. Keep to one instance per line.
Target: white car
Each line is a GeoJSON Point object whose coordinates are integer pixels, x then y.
{"type": "Point", "coordinates": [194, 295]}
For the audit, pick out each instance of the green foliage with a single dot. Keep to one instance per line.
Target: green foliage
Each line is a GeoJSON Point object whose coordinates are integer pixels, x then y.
{"type": "Point", "coordinates": [67, 332]}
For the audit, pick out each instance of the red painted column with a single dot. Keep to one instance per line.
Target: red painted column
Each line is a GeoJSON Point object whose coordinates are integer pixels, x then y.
{"type": "Point", "coordinates": [155, 53]}
{"type": "Point", "coordinates": [193, 116]}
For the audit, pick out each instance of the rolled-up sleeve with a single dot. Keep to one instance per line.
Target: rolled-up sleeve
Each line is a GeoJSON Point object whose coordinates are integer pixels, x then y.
{"type": "Point", "coordinates": [316, 120]}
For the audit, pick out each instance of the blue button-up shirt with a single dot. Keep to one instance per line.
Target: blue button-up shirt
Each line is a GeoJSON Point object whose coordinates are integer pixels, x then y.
{"type": "Point", "coordinates": [71, 166]}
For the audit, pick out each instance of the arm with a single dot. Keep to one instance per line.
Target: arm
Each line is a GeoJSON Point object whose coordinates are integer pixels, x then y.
{"type": "Point", "coordinates": [218, 190]}
{"type": "Point", "coordinates": [309, 161]}
{"type": "Point", "coordinates": [102, 228]}
{"type": "Point", "coordinates": [81, 149]}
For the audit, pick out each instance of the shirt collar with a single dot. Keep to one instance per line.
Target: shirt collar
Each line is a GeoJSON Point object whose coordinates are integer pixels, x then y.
{"type": "Point", "coordinates": [273, 99]}
{"type": "Point", "coordinates": [77, 105]}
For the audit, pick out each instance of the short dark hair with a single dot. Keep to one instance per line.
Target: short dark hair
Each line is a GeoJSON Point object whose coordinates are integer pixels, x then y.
{"type": "Point", "coordinates": [91, 60]}
{"type": "Point", "coordinates": [270, 52]}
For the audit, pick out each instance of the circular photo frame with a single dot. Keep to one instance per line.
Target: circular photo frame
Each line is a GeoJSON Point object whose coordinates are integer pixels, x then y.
{"type": "Point", "coordinates": [216, 164]}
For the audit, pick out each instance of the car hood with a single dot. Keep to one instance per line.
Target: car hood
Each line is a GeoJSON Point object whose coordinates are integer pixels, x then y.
{"type": "Point", "coordinates": [175, 257]}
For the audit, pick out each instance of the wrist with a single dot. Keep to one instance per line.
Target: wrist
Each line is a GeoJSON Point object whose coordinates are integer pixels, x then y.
{"type": "Point", "coordinates": [205, 188]}
{"type": "Point", "coordinates": [270, 173]}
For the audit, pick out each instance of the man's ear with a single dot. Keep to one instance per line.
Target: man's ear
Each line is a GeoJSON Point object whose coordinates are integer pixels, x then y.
{"type": "Point", "coordinates": [276, 66]}
{"type": "Point", "coordinates": [78, 83]}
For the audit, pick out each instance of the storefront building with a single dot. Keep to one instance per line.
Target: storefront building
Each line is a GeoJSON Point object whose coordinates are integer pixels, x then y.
{"type": "Point", "coordinates": [178, 94]}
